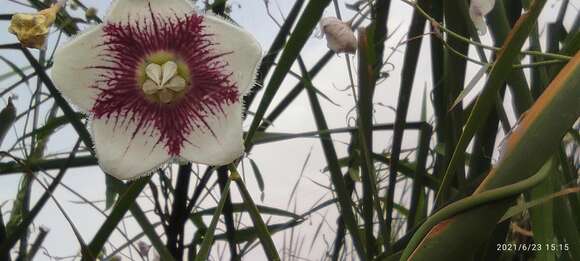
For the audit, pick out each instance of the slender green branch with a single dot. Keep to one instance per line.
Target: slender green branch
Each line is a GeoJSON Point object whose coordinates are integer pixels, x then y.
{"type": "Point", "coordinates": [208, 238]}
{"type": "Point", "coordinates": [175, 232]}
{"type": "Point", "coordinates": [12, 238]}
{"type": "Point", "coordinates": [458, 36]}
{"type": "Point", "coordinates": [228, 213]}
{"type": "Point", "coordinates": [261, 228]}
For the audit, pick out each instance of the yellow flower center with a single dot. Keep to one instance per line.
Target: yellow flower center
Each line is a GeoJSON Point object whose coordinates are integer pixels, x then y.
{"type": "Point", "coordinates": [162, 78]}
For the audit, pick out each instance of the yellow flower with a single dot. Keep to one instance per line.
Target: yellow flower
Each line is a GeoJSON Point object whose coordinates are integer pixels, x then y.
{"type": "Point", "coordinates": [32, 29]}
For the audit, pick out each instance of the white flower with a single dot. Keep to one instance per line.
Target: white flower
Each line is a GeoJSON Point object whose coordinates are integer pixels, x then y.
{"type": "Point", "coordinates": [477, 10]}
{"type": "Point", "coordinates": [340, 38]}
{"type": "Point", "coordinates": [160, 83]}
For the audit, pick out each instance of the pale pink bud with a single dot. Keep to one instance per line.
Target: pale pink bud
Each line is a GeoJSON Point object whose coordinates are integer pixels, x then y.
{"type": "Point", "coordinates": [339, 36]}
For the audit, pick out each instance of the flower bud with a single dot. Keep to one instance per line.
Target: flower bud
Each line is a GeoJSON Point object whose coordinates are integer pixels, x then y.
{"type": "Point", "coordinates": [477, 10]}
{"type": "Point", "coordinates": [143, 248]}
{"type": "Point", "coordinates": [91, 13]}
{"type": "Point", "coordinates": [339, 36]}
{"type": "Point", "coordinates": [32, 29]}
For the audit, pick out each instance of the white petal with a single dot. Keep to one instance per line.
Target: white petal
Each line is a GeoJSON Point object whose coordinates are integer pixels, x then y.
{"type": "Point", "coordinates": [153, 71]}
{"type": "Point", "coordinates": [247, 53]}
{"type": "Point", "coordinates": [71, 73]}
{"type": "Point", "coordinates": [121, 10]}
{"type": "Point", "coordinates": [176, 83]}
{"type": "Point", "coordinates": [122, 155]}
{"type": "Point", "coordinates": [169, 70]}
{"type": "Point", "coordinates": [227, 144]}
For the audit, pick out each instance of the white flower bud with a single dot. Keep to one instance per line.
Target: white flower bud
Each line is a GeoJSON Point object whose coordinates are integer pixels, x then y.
{"type": "Point", "coordinates": [91, 13]}
{"type": "Point", "coordinates": [477, 10]}
{"type": "Point", "coordinates": [339, 36]}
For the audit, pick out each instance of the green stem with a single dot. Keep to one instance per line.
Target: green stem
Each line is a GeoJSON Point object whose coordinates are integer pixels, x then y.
{"type": "Point", "coordinates": [121, 207]}
{"type": "Point", "coordinates": [149, 231]}
{"type": "Point", "coordinates": [458, 36]}
{"type": "Point", "coordinates": [209, 234]}
{"type": "Point", "coordinates": [228, 213]}
{"type": "Point", "coordinates": [179, 214]}
{"type": "Point", "coordinates": [261, 228]}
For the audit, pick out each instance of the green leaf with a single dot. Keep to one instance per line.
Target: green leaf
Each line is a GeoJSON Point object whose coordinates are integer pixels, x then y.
{"type": "Point", "coordinates": [50, 127]}
{"type": "Point", "coordinates": [125, 201]}
{"type": "Point", "coordinates": [418, 205]}
{"type": "Point", "coordinates": [469, 87]}
{"type": "Point", "coordinates": [259, 178]}
{"type": "Point", "coordinates": [499, 73]}
{"type": "Point", "coordinates": [270, 57]}
{"type": "Point", "coordinates": [308, 20]}
{"type": "Point", "coordinates": [209, 234]}
{"type": "Point", "coordinates": [519, 208]}
{"type": "Point", "coordinates": [261, 228]}
{"type": "Point", "coordinates": [366, 87]}
{"type": "Point", "coordinates": [10, 74]}
{"type": "Point", "coordinates": [566, 229]}
{"type": "Point", "coordinates": [337, 180]}
{"type": "Point", "coordinates": [401, 209]}
{"type": "Point", "coordinates": [411, 56]}
{"type": "Point", "coordinates": [15, 68]}
{"type": "Point", "coordinates": [149, 230]}
{"type": "Point", "coordinates": [250, 234]}
{"type": "Point", "coordinates": [241, 207]}
{"type": "Point", "coordinates": [4, 255]}
{"type": "Point", "coordinates": [111, 191]}
{"type": "Point", "coordinates": [540, 131]}
{"type": "Point", "coordinates": [7, 118]}
{"type": "Point", "coordinates": [51, 164]}
{"type": "Point", "coordinates": [68, 111]}
{"type": "Point", "coordinates": [18, 211]}
{"type": "Point", "coordinates": [542, 216]}
{"type": "Point", "coordinates": [22, 226]}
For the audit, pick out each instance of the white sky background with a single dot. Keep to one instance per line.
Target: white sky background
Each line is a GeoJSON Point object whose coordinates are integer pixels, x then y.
{"type": "Point", "coordinates": [280, 162]}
